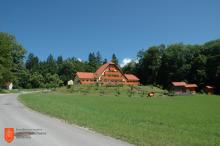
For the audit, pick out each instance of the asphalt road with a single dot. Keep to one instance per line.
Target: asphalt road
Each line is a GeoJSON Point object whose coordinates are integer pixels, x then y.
{"type": "Point", "coordinates": [35, 129]}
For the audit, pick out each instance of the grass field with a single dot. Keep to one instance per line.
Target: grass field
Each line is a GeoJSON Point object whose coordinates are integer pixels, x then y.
{"type": "Point", "coordinates": [159, 121]}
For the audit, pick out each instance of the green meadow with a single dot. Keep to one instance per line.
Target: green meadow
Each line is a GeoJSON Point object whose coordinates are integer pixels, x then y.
{"type": "Point", "coordinates": [191, 120]}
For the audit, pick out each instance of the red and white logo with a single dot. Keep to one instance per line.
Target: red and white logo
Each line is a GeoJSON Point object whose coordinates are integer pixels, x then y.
{"type": "Point", "coordinates": [9, 134]}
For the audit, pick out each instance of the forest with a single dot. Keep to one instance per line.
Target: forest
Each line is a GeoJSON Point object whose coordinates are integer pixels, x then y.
{"type": "Point", "coordinates": [157, 65]}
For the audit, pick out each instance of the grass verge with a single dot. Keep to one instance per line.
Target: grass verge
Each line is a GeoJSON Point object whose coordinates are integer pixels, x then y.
{"type": "Point", "coordinates": [166, 121]}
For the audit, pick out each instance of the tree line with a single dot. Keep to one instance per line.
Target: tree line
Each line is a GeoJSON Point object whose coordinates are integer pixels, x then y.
{"type": "Point", "coordinates": [158, 65]}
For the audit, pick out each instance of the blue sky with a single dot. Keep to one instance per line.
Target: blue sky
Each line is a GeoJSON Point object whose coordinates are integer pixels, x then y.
{"type": "Point", "coordinates": [77, 27]}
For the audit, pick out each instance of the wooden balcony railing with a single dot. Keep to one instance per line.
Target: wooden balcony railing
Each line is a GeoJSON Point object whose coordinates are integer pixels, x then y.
{"type": "Point", "coordinates": [111, 78]}
{"type": "Point", "coordinates": [113, 73]}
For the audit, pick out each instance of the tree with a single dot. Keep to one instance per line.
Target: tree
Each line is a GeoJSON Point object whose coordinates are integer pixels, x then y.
{"type": "Point", "coordinates": [211, 48]}
{"type": "Point", "coordinates": [51, 65]}
{"type": "Point", "coordinates": [66, 71]}
{"type": "Point", "coordinates": [114, 59]}
{"type": "Point", "coordinates": [105, 61]}
{"type": "Point", "coordinates": [24, 79]}
{"type": "Point", "coordinates": [52, 81]}
{"type": "Point", "coordinates": [175, 64]}
{"type": "Point", "coordinates": [211, 51]}
{"type": "Point", "coordinates": [5, 56]}
{"type": "Point", "coordinates": [32, 63]}
{"type": "Point", "coordinates": [69, 68]}
{"type": "Point", "coordinates": [99, 58]}
{"type": "Point", "coordinates": [198, 71]}
{"type": "Point", "coordinates": [36, 80]}
{"type": "Point", "coordinates": [59, 61]}
{"type": "Point", "coordinates": [11, 58]}
{"type": "Point", "coordinates": [94, 61]}
{"type": "Point", "coordinates": [130, 68]}
{"type": "Point", "coordinates": [43, 67]}
{"type": "Point", "coordinates": [149, 64]}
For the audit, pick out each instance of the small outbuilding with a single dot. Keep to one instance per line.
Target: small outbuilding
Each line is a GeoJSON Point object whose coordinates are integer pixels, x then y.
{"type": "Point", "coordinates": [178, 87]}
{"type": "Point", "coordinates": [183, 88]}
{"type": "Point", "coordinates": [209, 89]}
{"type": "Point", "coordinates": [70, 83]}
{"type": "Point", "coordinates": [191, 88]}
{"type": "Point", "coordinates": [9, 85]}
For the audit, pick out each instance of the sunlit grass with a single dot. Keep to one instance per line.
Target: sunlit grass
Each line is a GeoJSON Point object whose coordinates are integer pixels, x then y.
{"type": "Point", "coordinates": [172, 121]}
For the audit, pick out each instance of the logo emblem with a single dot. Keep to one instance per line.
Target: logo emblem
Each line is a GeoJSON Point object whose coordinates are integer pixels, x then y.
{"type": "Point", "coordinates": [9, 134]}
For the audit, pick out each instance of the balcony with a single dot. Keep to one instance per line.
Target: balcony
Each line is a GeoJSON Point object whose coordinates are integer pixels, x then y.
{"type": "Point", "coordinates": [113, 73]}
{"type": "Point", "coordinates": [107, 78]}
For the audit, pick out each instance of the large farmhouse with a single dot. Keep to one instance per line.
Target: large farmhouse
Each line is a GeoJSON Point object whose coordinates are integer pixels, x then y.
{"type": "Point", "coordinates": [108, 73]}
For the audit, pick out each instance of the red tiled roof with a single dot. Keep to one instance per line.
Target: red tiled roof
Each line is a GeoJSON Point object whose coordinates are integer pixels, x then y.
{"type": "Point", "coordinates": [184, 84]}
{"type": "Point", "coordinates": [191, 85]}
{"type": "Point", "coordinates": [209, 87]}
{"type": "Point", "coordinates": [102, 68]}
{"type": "Point", "coordinates": [131, 77]}
{"type": "Point", "coordinates": [179, 83]}
{"type": "Point", "coordinates": [85, 75]}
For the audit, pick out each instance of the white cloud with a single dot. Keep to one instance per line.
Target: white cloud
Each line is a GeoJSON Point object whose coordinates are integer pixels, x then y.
{"type": "Point", "coordinates": [79, 59]}
{"type": "Point", "coordinates": [125, 61]}
{"type": "Point", "coordinates": [136, 61]}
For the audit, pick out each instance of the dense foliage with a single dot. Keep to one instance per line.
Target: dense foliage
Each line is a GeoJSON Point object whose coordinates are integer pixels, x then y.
{"type": "Point", "coordinates": [158, 65]}
{"type": "Point", "coordinates": [11, 59]}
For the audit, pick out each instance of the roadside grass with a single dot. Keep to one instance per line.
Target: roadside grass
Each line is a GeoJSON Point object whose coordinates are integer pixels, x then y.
{"type": "Point", "coordinates": [5, 91]}
{"type": "Point", "coordinates": [158, 121]}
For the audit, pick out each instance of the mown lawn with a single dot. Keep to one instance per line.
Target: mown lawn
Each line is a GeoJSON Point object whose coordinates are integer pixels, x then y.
{"type": "Point", "coordinates": [159, 121]}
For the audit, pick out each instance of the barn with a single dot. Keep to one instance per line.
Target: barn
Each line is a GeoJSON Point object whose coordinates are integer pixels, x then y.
{"type": "Point", "coordinates": [108, 73]}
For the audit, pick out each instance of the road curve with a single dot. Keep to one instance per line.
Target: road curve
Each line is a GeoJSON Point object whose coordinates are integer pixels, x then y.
{"type": "Point", "coordinates": [57, 133]}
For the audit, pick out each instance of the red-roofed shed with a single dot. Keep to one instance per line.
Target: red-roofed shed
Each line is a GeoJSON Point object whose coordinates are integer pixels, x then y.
{"type": "Point", "coordinates": [209, 89]}
{"type": "Point", "coordinates": [191, 87]}
{"type": "Point", "coordinates": [179, 84]}
{"type": "Point", "coordinates": [132, 79]}
{"type": "Point", "coordinates": [85, 77]}
{"type": "Point", "coordinates": [183, 87]}
{"type": "Point", "coordinates": [178, 87]}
